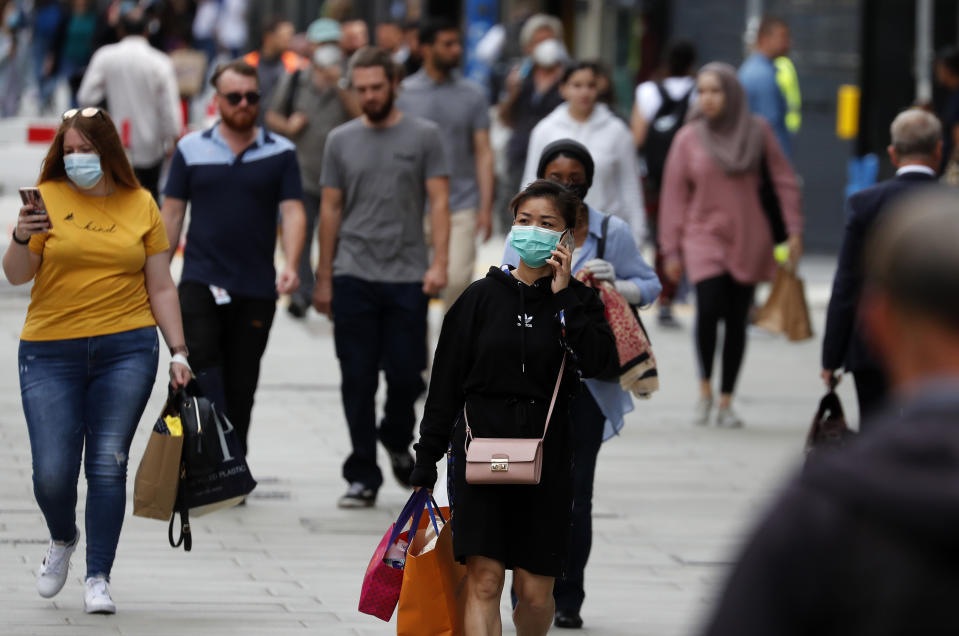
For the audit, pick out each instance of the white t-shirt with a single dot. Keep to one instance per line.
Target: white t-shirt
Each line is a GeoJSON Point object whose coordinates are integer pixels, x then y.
{"type": "Point", "coordinates": [649, 101]}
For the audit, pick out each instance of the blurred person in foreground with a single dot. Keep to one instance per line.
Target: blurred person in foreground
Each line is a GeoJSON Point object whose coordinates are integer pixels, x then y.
{"type": "Point", "coordinates": [597, 411]}
{"type": "Point", "coordinates": [616, 187]}
{"type": "Point", "coordinates": [374, 279]}
{"type": "Point", "coordinates": [140, 88]}
{"type": "Point", "coordinates": [659, 111]}
{"type": "Point", "coordinates": [862, 541]}
{"type": "Point", "coordinates": [235, 175]}
{"type": "Point", "coordinates": [758, 76]}
{"type": "Point", "coordinates": [307, 105]}
{"type": "Point", "coordinates": [916, 151]}
{"type": "Point", "coordinates": [712, 226]}
{"type": "Point", "coordinates": [89, 350]}
{"type": "Point", "coordinates": [439, 93]}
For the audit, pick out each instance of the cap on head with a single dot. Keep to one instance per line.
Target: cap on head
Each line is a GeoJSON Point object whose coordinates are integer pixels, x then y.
{"type": "Point", "coordinates": [323, 30]}
{"type": "Point", "coordinates": [570, 148]}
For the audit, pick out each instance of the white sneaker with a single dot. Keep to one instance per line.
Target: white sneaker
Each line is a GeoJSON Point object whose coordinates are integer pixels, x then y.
{"type": "Point", "coordinates": [56, 564]}
{"type": "Point", "coordinates": [96, 596]}
{"type": "Point", "coordinates": [703, 407]}
{"type": "Point", "coordinates": [727, 418]}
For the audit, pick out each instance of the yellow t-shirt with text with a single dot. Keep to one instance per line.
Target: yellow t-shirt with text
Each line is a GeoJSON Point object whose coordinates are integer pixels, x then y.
{"type": "Point", "coordinates": [91, 280]}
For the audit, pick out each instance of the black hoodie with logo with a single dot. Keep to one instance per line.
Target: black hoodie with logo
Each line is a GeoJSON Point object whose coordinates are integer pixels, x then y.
{"type": "Point", "coordinates": [865, 541]}
{"type": "Point", "coordinates": [499, 355]}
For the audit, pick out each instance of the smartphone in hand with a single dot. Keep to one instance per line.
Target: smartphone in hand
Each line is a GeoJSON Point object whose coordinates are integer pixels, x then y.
{"type": "Point", "coordinates": [31, 196]}
{"type": "Point", "coordinates": [567, 240]}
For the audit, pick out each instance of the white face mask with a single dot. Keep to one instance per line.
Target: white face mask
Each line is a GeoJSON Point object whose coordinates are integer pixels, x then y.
{"type": "Point", "coordinates": [548, 52]}
{"type": "Point", "coordinates": [327, 55]}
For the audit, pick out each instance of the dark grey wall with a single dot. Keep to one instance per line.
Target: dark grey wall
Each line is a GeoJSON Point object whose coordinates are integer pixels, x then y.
{"type": "Point", "coordinates": [826, 53]}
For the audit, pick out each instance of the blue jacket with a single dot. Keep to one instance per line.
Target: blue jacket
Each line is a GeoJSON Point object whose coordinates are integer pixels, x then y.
{"type": "Point", "coordinates": [630, 265]}
{"type": "Point", "coordinates": [758, 77]}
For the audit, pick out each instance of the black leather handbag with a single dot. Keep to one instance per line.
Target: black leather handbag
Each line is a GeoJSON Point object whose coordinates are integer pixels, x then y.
{"type": "Point", "coordinates": [829, 427]}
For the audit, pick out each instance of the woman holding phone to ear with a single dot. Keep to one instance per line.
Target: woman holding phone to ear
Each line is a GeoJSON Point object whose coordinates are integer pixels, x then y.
{"type": "Point", "coordinates": [498, 358]}
{"type": "Point", "coordinates": [89, 348]}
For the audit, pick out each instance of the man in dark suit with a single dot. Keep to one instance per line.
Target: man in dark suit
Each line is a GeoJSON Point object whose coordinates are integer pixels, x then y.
{"type": "Point", "coordinates": [863, 542]}
{"type": "Point", "coordinates": [916, 150]}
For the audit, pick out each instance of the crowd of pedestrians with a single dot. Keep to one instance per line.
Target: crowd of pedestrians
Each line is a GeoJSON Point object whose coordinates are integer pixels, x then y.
{"type": "Point", "coordinates": [382, 157]}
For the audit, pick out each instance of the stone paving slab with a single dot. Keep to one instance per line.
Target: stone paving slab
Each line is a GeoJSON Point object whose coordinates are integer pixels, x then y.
{"type": "Point", "coordinates": [671, 506]}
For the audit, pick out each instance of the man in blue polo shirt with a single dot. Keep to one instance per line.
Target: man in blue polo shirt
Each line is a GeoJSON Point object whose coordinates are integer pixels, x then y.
{"type": "Point", "coordinates": [235, 175]}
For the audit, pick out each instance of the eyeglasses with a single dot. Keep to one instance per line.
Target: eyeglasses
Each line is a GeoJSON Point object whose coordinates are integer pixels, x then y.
{"type": "Point", "coordinates": [85, 112]}
{"type": "Point", "coordinates": [252, 98]}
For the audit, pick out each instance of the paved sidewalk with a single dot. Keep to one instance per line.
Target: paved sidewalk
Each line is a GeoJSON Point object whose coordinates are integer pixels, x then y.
{"type": "Point", "coordinates": [672, 501]}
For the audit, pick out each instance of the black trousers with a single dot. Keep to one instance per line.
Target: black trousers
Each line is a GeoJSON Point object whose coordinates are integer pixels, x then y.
{"type": "Point", "coordinates": [149, 178]}
{"type": "Point", "coordinates": [722, 298]}
{"type": "Point", "coordinates": [871, 392]}
{"type": "Point", "coordinates": [587, 421]}
{"type": "Point", "coordinates": [378, 326]}
{"type": "Point", "coordinates": [226, 344]}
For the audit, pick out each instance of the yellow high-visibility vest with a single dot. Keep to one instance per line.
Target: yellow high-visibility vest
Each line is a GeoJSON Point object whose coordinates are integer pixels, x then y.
{"type": "Point", "coordinates": [788, 82]}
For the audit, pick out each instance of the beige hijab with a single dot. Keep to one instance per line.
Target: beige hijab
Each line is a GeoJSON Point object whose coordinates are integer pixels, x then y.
{"type": "Point", "coordinates": [734, 139]}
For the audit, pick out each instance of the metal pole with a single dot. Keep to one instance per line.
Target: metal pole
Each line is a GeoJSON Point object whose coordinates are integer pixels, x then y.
{"type": "Point", "coordinates": [924, 25]}
{"type": "Point", "coordinates": [754, 13]}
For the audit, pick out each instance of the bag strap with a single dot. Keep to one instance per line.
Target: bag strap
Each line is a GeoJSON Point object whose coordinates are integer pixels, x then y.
{"type": "Point", "coordinates": [604, 231]}
{"type": "Point", "coordinates": [549, 415]}
{"type": "Point", "coordinates": [186, 537]}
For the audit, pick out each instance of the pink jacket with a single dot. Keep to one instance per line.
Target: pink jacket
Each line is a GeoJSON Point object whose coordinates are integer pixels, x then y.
{"type": "Point", "coordinates": [713, 221]}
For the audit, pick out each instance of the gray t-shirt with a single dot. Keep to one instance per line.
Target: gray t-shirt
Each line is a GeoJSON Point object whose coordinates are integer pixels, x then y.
{"type": "Point", "coordinates": [459, 107]}
{"type": "Point", "coordinates": [382, 173]}
{"type": "Point", "coordinates": [325, 111]}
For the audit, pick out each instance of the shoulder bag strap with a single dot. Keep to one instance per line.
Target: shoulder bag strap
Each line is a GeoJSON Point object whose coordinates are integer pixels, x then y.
{"type": "Point", "coordinates": [601, 244]}
{"type": "Point", "coordinates": [549, 415]}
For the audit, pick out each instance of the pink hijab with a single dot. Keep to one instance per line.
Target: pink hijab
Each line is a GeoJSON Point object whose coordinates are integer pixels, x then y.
{"type": "Point", "coordinates": [734, 139]}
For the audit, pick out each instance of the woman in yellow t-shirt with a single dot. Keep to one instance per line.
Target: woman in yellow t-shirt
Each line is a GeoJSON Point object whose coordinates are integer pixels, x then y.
{"type": "Point", "coordinates": [89, 348]}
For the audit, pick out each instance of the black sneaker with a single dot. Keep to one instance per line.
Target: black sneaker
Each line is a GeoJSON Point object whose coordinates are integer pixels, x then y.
{"type": "Point", "coordinates": [357, 496]}
{"type": "Point", "coordinates": [568, 619]}
{"type": "Point", "coordinates": [402, 462]}
{"type": "Point", "coordinates": [296, 309]}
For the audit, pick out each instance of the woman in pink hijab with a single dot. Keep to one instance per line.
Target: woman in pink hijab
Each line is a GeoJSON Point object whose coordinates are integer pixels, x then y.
{"type": "Point", "coordinates": [713, 225]}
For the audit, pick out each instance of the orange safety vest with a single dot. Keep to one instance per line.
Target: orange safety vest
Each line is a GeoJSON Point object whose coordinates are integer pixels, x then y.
{"type": "Point", "coordinates": [291, 61]}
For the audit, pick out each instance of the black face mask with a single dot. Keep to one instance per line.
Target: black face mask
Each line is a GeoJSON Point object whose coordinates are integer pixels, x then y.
{"type": "Point", "coordinates": [579, 189]}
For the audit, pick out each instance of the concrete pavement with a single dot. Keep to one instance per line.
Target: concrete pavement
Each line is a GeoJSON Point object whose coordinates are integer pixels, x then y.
{"type": "Point", "coordinates": [672, 501]}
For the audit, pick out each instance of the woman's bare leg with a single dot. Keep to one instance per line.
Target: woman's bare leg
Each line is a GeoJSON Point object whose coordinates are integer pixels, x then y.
{"type": "Point", "coordinates": [484, 588]}
{"type": "Point", "coordinates": [535, 606]}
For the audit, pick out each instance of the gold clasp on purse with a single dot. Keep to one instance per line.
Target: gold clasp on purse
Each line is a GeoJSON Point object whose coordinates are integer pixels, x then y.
{"type": "Point", "coordinates": [499, 465]}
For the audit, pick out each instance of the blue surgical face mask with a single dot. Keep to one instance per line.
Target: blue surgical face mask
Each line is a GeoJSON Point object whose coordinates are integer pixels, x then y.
{"type": "Point", "coordinates": [534, 244]}
{"type": "Point", "coordinates": [83, 169]}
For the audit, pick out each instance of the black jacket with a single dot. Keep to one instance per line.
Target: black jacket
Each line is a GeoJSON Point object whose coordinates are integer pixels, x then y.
{"type": "Point", "coordinates": [842, 344]}
{"type": "Point", "coordinates": [499, 353]}
{"type": "Point", "coordinates": [864, 542]}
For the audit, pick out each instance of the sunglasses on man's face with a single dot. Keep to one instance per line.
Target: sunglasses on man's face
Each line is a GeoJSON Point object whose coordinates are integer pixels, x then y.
{"type": "Point", "coordinates": [83, 112]}
{"type": "Point", "coordinates": [252, 98]}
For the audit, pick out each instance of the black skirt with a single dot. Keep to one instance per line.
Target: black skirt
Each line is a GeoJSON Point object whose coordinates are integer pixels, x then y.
{"type": "Point", "coordinates": [520, 526]}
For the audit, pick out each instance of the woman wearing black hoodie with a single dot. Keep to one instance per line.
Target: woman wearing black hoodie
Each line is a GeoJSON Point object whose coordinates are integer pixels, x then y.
{"type": "Point", "coordinates": [498, 356]}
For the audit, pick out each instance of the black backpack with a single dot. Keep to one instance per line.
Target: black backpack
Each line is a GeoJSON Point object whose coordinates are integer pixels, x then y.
{"type": "Point", "coordinates": [668, 120]}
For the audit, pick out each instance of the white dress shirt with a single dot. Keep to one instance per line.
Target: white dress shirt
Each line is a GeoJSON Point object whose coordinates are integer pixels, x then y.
{"type": "Point", "coordinates": [140, 87]}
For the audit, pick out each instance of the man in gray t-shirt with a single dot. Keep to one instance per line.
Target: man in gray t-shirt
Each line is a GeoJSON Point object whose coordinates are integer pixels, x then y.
{"type": "Point", "coordinates": [438, 92]}
{"type": "Point", "coordinates": [374, 278]}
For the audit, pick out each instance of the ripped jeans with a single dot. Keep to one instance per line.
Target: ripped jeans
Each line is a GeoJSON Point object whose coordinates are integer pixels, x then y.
{"type": "Point", "coordinates": [86, 391]}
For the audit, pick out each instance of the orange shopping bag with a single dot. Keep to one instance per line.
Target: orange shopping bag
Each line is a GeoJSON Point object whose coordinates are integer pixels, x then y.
{"type": "Point", "coordinates": [433, 596]}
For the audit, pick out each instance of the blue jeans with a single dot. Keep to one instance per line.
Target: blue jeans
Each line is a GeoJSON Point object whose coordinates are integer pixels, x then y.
{"type": "Point", "coordinates": [378, 326]}
{"type": "Point", "coordinates": [86, 391]}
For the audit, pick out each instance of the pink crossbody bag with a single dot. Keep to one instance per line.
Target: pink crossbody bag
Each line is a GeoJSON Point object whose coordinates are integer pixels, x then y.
{"type": "Point", "coordinates": [507, 460]}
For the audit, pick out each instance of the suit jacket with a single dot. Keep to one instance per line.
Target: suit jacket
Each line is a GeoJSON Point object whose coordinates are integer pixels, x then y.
{"type": "Point", "coordinates": [843, 345]}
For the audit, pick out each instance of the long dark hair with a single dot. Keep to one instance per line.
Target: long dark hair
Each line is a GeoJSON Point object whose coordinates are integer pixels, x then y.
{"type": "Point", "coordinates": [100, 131]}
